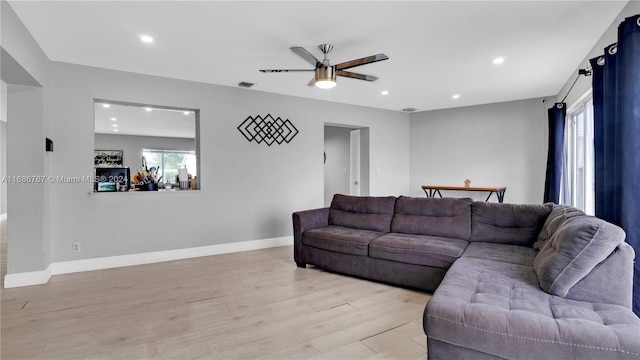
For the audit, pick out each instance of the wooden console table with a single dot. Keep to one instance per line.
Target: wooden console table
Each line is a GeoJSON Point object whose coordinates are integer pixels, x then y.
{"type": "Point", "coordinates": [431, 191]}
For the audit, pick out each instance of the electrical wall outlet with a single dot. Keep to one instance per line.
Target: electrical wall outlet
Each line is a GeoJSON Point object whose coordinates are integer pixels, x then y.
{"type": "Point", "coordinates": [75, 246]}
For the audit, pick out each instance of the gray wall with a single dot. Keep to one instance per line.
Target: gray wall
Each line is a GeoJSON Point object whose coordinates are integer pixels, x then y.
{"type": "Point", "coordinates": [27, 203]}
{"type": "Point", "coordinates": [24, 69]}
{"type": "Point", "coordinates": [501, 144]}
{"type": "Point", "coordinates": [3, 146]}
{"type": "Point", "coordinates": [249, 190]}
{"type": "Point", "coordinates": [132, 146]}
{"type": "Point", "coordinates": [336, 169]}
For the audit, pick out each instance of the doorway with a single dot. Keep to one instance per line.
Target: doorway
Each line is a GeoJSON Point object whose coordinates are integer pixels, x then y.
{"type": "Point", "coordinates": [346, 161]}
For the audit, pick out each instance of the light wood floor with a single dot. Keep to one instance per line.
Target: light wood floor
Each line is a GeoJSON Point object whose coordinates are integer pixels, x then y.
{"type": "Point", "coordinates": [250, 305]}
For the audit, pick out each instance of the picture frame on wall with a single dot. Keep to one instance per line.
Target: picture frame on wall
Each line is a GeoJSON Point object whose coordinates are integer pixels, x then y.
{"type": "Point", "coordinates": [108, 158]}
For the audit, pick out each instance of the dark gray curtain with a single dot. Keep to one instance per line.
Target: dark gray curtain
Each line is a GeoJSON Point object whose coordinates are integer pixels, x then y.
{"type": "Point", "coordinates": [616, 102]}
{"type": "Point", "coordinates": [555, 154]}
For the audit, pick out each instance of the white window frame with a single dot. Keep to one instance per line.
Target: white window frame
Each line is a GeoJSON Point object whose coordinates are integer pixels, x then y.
{"type": "Point", "coordinates": [578, 183]}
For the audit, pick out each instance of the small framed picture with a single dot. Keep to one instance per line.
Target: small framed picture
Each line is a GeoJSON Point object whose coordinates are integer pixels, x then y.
{"type": "Point", "coordinates": [108, 158]}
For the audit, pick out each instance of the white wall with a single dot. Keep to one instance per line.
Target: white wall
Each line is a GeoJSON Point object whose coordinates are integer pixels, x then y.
{"type": "Point", "coordinates": [249, 190]}
{"type": "Point", "coordinates": [336, 169]}
{"type": "Point", "coordinates": [503, 144]}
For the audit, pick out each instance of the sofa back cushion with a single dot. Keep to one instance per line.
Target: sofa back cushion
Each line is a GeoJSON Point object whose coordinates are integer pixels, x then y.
{"type": "Point", "coordinates": [514, 224]}
{"type": "Point", "coordinates": [573, 251]}
{"type": "Point", "coordinates": [362, 212]}
{"type": "Point", "coordinates": [446, 217]}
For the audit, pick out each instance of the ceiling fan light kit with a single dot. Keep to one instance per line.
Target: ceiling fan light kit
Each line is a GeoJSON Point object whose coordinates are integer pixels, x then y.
{"type": "Point", "coordinates": [325, 73]}
{"type": "Point", "coordinates": [325, 77]}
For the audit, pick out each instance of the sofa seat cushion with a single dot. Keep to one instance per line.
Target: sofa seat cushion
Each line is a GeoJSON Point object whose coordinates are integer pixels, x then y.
{"type": "Point", "coordinates": [512, 254]}
{"type": "Point", "coordinates": [498, 308]}
{"type": "Point", "coordinates": [417, 249]}
{"type": "Point", "coordinates": [340, 239]}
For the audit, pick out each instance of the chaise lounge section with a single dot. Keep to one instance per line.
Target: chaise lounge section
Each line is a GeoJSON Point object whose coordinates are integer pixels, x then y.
{"type": "Point", "coordinates": [509, 281]}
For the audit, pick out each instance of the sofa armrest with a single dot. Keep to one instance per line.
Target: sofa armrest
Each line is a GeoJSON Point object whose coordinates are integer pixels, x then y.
{"type": "Point", "coordinates": [303, 221]}
{"type": "Point", "coordinates": [611, 281]}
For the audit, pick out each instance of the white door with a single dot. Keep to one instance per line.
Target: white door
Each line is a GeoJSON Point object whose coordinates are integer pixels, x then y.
{"type": "Point", "coordinates": [354, 178]}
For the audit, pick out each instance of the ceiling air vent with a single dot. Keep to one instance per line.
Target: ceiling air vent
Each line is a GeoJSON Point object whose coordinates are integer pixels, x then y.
{"type": "Point", "coordinates": [245, 84]}
{"type": "Point", "coordinates": [409, 109]}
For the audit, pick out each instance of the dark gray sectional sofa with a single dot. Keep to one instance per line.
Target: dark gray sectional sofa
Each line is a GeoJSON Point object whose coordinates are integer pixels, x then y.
{"type": "Point", "coordinates": [509, 281]}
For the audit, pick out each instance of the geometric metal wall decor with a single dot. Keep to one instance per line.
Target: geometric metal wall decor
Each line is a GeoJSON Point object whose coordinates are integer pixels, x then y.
{"type": "Point", "coordinates": [267, 130]}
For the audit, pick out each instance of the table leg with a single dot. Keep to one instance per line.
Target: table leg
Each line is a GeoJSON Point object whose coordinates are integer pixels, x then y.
{"type": "Point", "coordinates": [432, 192]}
{"type": "Point", "coordinates": [499, 195]}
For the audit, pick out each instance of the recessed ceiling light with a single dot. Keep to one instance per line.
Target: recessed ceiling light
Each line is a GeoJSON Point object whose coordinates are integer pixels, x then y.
{"type": "Point", "coordinates": [146, 39]}
{"type": "Point", "coordinates": [115, 130]}
{"type": "Point", "coordinates": [384, 92]}
{"type": "Point", "coordinates": [114, 125]}
{"type": "Point", "coordinates": [456, 96]}
{"type": "Point", "coordinates": [105, 105]}
{"type": "Point", "coordinates": [114, 119]}
{"type": "Point", "coordinates": [148, 109]}
{"type": "Point", "coordinates": [498, 60]}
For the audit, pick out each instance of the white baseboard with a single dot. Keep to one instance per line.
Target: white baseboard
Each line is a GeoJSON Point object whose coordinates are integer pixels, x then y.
{"type": "Point", "coordinates": [28, 278]}
{"type": "Point", "coordinates": [67, 267]}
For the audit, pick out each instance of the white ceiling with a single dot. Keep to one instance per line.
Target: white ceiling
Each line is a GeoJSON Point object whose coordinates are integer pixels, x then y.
{"type": "Point", "coordinates": [119, 119]}
{"type": "Point", "coordinates": [436, 48]}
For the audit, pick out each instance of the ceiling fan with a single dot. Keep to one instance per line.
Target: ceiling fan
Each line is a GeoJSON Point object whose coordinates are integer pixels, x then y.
{"type": "Point", "coordinates": [325, 73]}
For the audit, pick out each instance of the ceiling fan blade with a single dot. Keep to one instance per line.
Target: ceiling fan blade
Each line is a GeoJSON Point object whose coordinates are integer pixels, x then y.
{"type": "Point", "coordinates": [361, 61]}
{"type": "Point", "coordinates": [306, 55]}
{"type": "Point", "coordinates": [312, 82]}
{"type": "Point", "coordinates": [356, 75]}
{"type": "Point", "coordinates": [283, 70]}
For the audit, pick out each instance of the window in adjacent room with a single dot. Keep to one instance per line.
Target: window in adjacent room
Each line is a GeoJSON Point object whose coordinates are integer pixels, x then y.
{"type": "Point", "coordinates": [578, 176]}
{"type": "Point", "coordinates": [169, 161]}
